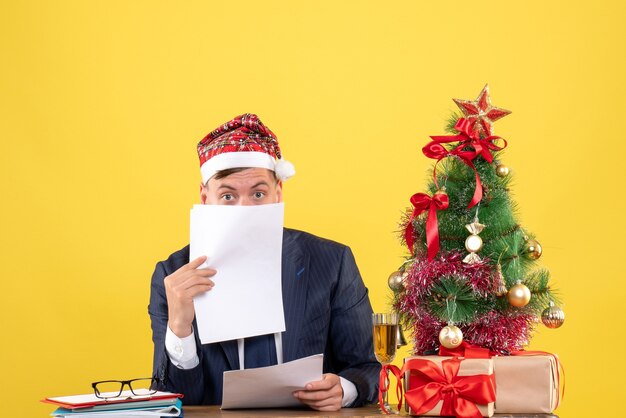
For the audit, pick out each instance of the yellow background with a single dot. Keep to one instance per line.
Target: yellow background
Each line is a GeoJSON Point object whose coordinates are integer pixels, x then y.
{"type": "Point", "coordinates": [103, 102]}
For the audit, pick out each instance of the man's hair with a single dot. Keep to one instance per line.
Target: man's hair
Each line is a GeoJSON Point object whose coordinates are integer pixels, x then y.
{"type": "Point", "coordinates": [227, 172]}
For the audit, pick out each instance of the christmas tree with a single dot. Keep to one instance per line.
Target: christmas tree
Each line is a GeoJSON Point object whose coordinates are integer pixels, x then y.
{"type": "Point", "coordinates": [472, 273]}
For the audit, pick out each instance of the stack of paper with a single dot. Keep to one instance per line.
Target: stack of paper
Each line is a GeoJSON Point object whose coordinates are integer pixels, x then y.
{"type": "Point", "coordinates": [159, 404]}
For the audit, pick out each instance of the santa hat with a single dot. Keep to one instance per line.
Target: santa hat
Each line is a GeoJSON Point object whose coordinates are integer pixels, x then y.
{"type": "Point", "coordinates": [242, 142]}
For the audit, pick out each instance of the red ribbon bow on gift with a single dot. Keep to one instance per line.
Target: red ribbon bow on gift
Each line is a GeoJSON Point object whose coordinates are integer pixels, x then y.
{"type": "Point", "coordinates": [422, 202]}
{"type": "Point", "coordinates": [460, 394]}
{"type": "Point", "coordinates": [470, 146]}
{"type": "Point", "coordinates": [429, 384]}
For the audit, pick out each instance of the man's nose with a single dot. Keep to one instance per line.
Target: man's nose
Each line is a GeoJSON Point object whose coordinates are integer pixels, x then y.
{"type": "Point", "coordinates": [245, 201]}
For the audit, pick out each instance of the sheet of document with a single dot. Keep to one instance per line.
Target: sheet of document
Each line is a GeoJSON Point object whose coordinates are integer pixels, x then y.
{"type": "Point", "coordinates": [270, 387]}
{"type": "Point", "coordinates": [244, 245]}
{"type": "Point", "coordinates": [91, 400]}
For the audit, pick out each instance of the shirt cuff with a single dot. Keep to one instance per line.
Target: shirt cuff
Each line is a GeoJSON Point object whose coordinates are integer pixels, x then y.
{"type": "Point", "coordinates": [349, 392]}
{"type": "Point", "coordinates": [181, 351]}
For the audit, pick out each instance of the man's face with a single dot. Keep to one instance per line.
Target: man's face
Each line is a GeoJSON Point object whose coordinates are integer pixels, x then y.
{"type": "Point", "coordinates": [252, 186]}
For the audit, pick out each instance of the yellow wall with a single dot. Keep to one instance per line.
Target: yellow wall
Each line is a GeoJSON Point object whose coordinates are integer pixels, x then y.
{"type": "Point", "coordinates": [102, 103]}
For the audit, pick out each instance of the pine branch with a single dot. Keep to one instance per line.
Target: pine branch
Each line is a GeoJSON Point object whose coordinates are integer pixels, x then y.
{"type": "Point", "coordinates": [541, 294]}
{"type": "Point", "coordinates": [453, 300]}
{"type": "Point", "coordinates": [451, 122]}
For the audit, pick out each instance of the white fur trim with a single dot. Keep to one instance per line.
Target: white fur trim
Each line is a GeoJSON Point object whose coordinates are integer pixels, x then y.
{"type": "Point", "coordinates": [235, 160]}
{"type": "Point", "coordinates": [284, 169]}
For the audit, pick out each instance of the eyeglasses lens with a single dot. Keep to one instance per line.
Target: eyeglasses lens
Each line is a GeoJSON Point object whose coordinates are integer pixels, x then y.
{"type": "Point", "coordinates": [110, 389]}
{"type": "Point", "coordinates": [141, 387]}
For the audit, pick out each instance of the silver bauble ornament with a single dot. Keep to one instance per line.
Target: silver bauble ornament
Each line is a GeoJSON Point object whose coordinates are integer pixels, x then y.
{"type": "Point", "coordinates": [553, 316]}
{"type": "Point", "coordinates": [396, 281]}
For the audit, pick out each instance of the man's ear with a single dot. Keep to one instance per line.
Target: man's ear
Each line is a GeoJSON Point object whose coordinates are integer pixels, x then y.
{"type": "Point", "coordinates": [203, 194]}
{"type": "Point", "coordinates": [279, 191]}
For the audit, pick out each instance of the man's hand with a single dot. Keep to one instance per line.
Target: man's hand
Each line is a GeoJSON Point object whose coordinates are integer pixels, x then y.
{"type": "Point", "coordinates": [180, 288]}
{"type": "Point", "coordinates": [323, 395]}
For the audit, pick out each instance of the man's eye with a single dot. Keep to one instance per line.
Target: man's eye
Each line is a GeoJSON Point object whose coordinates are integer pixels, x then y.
{"type": "Point", "coordinates": [259, 195]}
{"type": "Point", "coordinates": [227, 197]}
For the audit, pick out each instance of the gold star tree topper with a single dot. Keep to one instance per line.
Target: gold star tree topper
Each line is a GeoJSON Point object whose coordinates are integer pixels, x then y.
{"type": "Point", "coordinates": [480, 113]}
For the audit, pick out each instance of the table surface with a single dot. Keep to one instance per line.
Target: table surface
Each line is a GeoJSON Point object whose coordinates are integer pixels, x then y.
{"type": "Point", "coordinates": [364, 412]}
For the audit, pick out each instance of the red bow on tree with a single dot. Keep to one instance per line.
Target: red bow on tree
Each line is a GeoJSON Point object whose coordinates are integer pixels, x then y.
{"type": "Point", "coordinates": [422, 202]}
{"type": "Point", "coordinates": [470, 146]}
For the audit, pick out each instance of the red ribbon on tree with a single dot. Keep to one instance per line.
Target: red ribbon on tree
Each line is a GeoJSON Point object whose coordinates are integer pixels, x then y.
{"type": "Point", "coordinates": [422, 202]}
{"type": "Point", "coordinates": [470, 146]}
{"type": "Point", "coordinates": [430, 384]}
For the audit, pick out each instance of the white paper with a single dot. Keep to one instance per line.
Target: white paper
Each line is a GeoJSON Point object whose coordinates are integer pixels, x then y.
{"type": "Point", "coordinates": [244, 245]}
{"type": "Point", "coordinates": [270, 387]}
{"type": "Point", "coordinates": [92, 399]}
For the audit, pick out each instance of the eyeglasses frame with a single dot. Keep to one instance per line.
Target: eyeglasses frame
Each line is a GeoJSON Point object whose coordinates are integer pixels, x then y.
{"type": "Point", "coordinates": [154, 380]}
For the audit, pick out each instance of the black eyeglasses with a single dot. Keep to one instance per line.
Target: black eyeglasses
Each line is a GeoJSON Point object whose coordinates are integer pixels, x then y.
{"type": "Point", "coordinates": [107, 389]}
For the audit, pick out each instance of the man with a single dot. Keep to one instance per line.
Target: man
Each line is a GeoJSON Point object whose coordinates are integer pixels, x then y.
{"type": "Point", "coordinates": [326, 305]}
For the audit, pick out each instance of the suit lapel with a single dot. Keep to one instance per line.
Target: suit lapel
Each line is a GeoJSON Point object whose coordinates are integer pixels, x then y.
{"type": "Point", "coordinates": [295, 271]}
{"type": "Point", "coordinates": [232, 354]}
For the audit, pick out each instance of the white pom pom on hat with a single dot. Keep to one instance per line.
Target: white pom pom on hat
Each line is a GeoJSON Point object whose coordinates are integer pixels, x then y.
{"type": "Point", "coordinates": [284, 169]}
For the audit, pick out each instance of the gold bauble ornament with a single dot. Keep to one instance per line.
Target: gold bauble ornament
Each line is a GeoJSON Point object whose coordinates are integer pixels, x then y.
{"type": "Point", "coordinates": [502, 170]}
{"type": "Point", "coordinates": [396, 281]}
{"type": "Point", "coordinates": [532, 249]}
{"type": "Point", "coordinates": [450, 336]}
{"type": "Point", "coordinates": [553, 316]}
{"type": "Point", "coordinates": [519, 295]}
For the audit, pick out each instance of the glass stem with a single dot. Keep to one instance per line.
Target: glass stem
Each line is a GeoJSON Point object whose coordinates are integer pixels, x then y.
{"type": "Point", "coordinates": [388, 385]}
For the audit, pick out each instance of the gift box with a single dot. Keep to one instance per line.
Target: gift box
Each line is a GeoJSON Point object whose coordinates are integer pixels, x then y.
{"type": "Point", "coordinates": [450, 386]}
{"type": "Point", "coordinates": [526, 384]}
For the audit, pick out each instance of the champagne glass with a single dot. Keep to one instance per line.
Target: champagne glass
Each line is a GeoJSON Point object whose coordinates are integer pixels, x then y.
{"type": "Point", "coordinates": [385, 339]}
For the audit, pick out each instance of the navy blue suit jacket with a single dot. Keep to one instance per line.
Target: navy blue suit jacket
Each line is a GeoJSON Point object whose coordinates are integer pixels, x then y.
{"type": "Point", "coordinates": [327, 310]}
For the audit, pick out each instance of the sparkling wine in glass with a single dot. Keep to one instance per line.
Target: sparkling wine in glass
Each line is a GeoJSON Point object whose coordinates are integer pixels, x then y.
{"type": "Point", "coordinates": [385, 339]}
